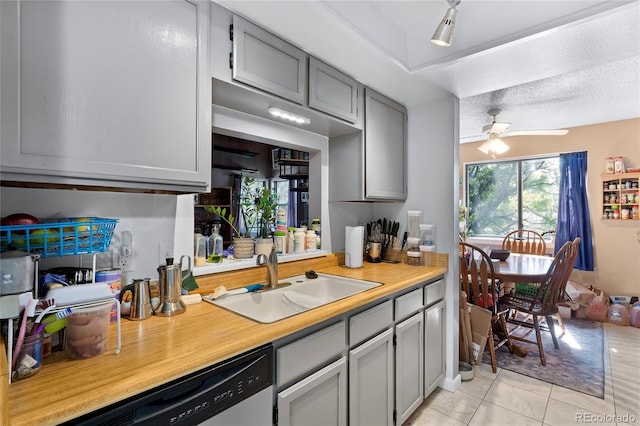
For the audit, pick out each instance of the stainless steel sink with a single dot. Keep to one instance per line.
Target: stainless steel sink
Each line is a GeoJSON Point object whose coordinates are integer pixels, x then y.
{"type": "Point", "coordinates": [302, 295]}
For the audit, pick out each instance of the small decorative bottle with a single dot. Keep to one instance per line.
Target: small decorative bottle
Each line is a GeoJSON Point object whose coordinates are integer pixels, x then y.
{"type": "Point", "coordinates": [299, 240]}
{"type": "Point", "coordinates": [215, 244]}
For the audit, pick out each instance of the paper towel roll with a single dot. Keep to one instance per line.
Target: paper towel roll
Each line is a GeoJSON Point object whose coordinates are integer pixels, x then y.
{"type": "Point", "coordinates": [354, 240]}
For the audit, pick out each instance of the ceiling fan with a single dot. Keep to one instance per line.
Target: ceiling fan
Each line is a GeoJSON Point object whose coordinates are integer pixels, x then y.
{"type": "Point", "coordinates": [497, 130]}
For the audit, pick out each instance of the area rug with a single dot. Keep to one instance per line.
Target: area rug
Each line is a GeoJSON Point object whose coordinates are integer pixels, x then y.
{"type": "Point", "coordinates": [577, 365]}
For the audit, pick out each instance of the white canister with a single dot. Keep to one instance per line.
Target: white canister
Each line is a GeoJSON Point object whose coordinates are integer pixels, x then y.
{"type": "Point", "coordinates": [310, 241]}
{"type": "Point", "coordinates": [299, 240]}
{"type": "Point", "coordinates": [619, 165]}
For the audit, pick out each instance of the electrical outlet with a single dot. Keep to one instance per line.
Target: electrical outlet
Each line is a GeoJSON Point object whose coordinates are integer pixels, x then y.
{"type": "Point", "coordinates": [126, 252]}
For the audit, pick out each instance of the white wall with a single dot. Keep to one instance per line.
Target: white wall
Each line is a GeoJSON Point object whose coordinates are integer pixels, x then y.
{"type": "Point", "coordinates": [150, 218]}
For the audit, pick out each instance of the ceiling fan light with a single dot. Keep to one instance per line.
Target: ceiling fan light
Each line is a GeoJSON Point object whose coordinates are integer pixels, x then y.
{"type": "Point", "coordinates": [484, 148]}
{"type": "Point", "coordinates": [444, 33]}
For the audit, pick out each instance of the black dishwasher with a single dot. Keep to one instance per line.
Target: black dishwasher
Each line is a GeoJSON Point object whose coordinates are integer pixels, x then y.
{"type": "Point", "coordinates": [238, 391]}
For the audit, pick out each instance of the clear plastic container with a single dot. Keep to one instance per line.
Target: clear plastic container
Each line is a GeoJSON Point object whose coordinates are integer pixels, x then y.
{"type": "Point", "coordinates": [29, 359]}
{"type": "Point", "coordinates": [414, 217]}
{"type": "Point", "coordinates": [618, 314]}
{"type": "Point", "coordinates": [88, 331]}
{"type": "Point", "coordinates": [427, 237]}
{"type": "Point", "coordinates": [634, 315]}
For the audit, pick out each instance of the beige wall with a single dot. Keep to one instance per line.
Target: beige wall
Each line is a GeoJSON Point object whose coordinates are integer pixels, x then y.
{"type": "Point", "coordinates": [616, 244]}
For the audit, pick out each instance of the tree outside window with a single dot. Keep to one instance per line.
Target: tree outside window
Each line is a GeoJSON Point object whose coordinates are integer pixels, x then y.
{"type": "Point", "coordinates": [508, 195]}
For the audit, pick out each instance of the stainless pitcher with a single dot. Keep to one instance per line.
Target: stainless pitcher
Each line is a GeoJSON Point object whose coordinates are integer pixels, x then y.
{"type": "Point", "coordinates": [140, 299]}
{"type": "Point", "coordinates": [170, 284]}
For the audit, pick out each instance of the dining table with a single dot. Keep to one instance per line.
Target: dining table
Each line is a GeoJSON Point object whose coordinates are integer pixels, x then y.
{"type": "Point", "coordinates": [527, 268]}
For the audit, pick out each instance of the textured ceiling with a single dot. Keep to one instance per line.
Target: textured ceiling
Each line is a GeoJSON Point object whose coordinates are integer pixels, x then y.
{"type": "Point", "coordinates": [545, 64]}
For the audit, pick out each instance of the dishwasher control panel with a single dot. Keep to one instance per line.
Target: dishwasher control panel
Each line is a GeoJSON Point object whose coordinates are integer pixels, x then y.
{"type": "Point", "coordinates": [195, 398]}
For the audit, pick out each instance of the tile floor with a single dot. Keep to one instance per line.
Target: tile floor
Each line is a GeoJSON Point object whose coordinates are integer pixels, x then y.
{"type": "Point", "coordinates": [508, 398]}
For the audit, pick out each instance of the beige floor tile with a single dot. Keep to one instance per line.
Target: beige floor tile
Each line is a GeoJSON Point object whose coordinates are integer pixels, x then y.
{"type": "Point", "coordinates": [478, 386]}
{"type": "Point", "coordinates": [626, 358]}
{"type": "Point", "coordinates": [484, 370]}
{"type": "Point", "coordinates": [425, 415]}
{"type": "Point", "coordinates": [625, 373]}
{"type": "Point", "coordinates": [457, 405]}
{"type": "Point", "coordinates": [494, 415]}
{"type": "Point", "coordinates": [562, 414]}
{"type": "Point", "coordinates": [582, 400]}
{"type": "Point", "coordinates": [520, 394]}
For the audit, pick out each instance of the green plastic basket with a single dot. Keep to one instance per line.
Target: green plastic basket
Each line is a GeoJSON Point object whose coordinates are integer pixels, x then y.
{"type": "Point", "coordinates": [527, 289]}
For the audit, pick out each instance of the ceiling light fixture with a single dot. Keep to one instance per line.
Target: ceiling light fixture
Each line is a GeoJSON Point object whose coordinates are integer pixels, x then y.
{"type": "Point", "coordinates": [289, 116]}
{"type": "Point", "coordinates": [443, 34]}
{"type": "Point", "coordinates": [494, 145]}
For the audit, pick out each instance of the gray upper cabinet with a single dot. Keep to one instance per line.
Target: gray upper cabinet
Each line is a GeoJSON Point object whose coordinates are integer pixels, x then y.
{"type": "Point", "coordinates": [112, 94]}
{"type": "Point", "coordinates": [332, 92]}
{"type": "Point", "coordinates": [385, 148]}
{"type": "Point", "coordinates": [371, 165]}
{"type": "Point", "coordinates": [267, 62]}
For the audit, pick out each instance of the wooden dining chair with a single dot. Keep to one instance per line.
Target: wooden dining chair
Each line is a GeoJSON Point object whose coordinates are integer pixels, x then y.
{"type": "Point", "coordinates": [524, 241]}
{"type": "Point", "coordinates": [542, 300]}
{"type": "Point", "coordinates": [478, 281]}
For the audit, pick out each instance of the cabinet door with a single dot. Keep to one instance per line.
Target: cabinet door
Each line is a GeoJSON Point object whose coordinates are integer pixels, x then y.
{"type": "Point", "coordinates": [318, 400]}
{"type": "Point", "coordinates": [371, 381]}
{"type": "Point", "coordinates": [332, 92]}
{"type": "Point", "coordinates": [106, 93]}
{"type": "Point", "coordinates": [409, 366]}
{"type": "Point", "coordinates": [267, 62]}
{"type": "Point", "coordinates": [385, 148]}
{"type": "Point", "coordinates": [433, 346]}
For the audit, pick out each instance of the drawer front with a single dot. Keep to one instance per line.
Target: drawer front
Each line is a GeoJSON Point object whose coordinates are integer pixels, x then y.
{"type": "Point", "coordinates": [368, 323]}
{"type": "Point", "coordinates": [434, 292]}
{"type": "Point", "coordinates": [309, 353]}
{"type": "Point", "coordinates": [408, 304]}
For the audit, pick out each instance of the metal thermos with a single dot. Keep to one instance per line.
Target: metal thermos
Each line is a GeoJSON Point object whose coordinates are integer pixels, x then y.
{"type": "Point", "coordinates": [170, 284]}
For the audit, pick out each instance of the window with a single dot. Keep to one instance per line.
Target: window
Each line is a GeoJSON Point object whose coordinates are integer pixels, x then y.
{"type": "Point", "coordinates": [508, 195]}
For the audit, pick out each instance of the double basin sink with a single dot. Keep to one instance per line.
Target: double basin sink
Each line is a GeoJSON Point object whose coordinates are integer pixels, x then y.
{"type": "Point", "coordinates": [303, 294]}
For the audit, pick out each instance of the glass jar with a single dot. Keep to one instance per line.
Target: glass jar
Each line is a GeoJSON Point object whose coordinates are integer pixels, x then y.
{"type": "Point", "coordinates": [625, 214]}
{"type": "Point", "coordinates": [609, 165]}
{"type": "Point", "coordinates": [413, 258]}
{"type": "Point", "coordinates": [616, 213]}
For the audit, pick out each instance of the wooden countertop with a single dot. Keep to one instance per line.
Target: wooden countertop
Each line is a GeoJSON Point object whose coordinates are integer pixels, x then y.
{"type": "Point", "coordinates": [161, 349]}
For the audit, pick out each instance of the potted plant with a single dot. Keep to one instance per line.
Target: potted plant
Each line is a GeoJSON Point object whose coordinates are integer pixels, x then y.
{"type": "Point", "coordinates": [258, 205]}
{"type": "Point", "coordinates": [242, 245]}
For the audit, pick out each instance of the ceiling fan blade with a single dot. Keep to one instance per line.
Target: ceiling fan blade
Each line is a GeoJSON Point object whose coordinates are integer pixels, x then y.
{"type": "Point", "coordinates": [550, 132]}
{"type": "Point", "coordinates": [475, 138]}
{"type": "Point", "coordinates": [495, 127]}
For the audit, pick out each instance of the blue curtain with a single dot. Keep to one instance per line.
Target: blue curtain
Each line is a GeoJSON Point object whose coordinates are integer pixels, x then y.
{"type": "Point", "coordinates": [573, 208]}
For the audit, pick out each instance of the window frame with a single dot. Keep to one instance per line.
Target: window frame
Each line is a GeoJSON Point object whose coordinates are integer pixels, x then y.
{"type": "Point", "coordinates": [464, 190]}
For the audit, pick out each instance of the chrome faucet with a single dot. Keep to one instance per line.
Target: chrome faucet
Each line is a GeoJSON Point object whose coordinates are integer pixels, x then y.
{"type": "Point", "coordinates": [271, 263]}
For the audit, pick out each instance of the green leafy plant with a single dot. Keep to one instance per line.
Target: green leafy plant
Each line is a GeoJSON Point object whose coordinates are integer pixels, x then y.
{"type": "Point", "coordinates": [222, 212]}
{"type": "Point", "coordinates": [258, 206]}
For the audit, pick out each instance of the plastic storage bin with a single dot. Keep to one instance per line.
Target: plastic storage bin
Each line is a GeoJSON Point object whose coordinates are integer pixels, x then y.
{"type": "Point", "coordinates": [618, 314]}
{"type": "Point", "coordinates": [88, 331]}
{"type": "Point", "coordinates": [634, 315]}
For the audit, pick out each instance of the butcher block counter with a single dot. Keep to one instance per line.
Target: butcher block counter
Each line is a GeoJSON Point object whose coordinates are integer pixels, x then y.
{"type": "Point", "coordinates": [160, 349]}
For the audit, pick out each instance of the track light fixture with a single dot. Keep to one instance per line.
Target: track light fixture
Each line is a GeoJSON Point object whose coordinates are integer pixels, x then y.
{"type": "Point", "coordinates": [443, 34]}
{"type": "Point", "coordinates": [289, 116]}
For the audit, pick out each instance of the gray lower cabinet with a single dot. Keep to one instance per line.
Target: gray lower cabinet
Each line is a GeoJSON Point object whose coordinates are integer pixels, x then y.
{"type": "Point", "coordinates": [106, 94]}
{"type": "Point", "coordinates": [434, 330]}
{"type": "Point", "coordinates": [371, 381]}
{"type": "Point", "coordinates": [332, 92]}
{"type": "Point", "coordinates": [371, 367]}
{"type": "Point", "coordinates": [317, 400]}
{"type": "Point", "coordinates": [409, 366]}
{"type": "Point", "coordinates": [267, 62]}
